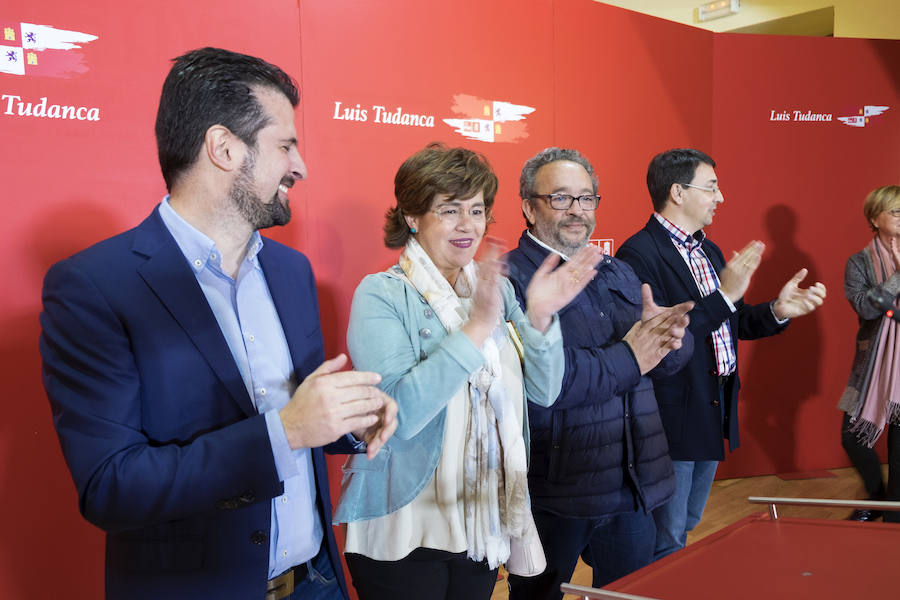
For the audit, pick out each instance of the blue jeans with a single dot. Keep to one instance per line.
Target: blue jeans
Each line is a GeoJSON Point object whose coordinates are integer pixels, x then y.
{"type": "Point", "coordinates": [693, 480]}
{"type": "Point", "coordinates": [612, 546]}
{"type": "Point", "coordinates": [320, 583]}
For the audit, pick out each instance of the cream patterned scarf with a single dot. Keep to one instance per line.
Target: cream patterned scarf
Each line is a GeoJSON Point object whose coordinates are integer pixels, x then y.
{"type": "Point", "coordinates": [881, 394]}
{"type": "Point", "coordinates": [495, 480]}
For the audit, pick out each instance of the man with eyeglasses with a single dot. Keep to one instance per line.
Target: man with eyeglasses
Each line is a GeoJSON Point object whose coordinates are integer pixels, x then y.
{"type": "Point", "coordinates": [699, 404]}
{"type": "Point", "coordinates": [599, 463]}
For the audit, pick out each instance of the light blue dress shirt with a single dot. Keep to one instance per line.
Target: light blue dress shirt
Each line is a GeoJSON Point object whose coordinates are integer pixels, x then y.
{"type": "Point", "coordinates": [247, 317]}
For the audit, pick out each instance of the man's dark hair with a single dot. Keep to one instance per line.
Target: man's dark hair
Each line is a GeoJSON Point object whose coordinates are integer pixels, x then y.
{"type": "Point", "coordinates": [207, 87]}
{"type": "Point", "coordinates": [544, 157]}
{"type": "Point", "coordinates": [671, 167]}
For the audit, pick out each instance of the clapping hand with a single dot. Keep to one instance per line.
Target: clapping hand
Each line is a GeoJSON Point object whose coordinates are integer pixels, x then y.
{"type": "Point", "coordinates": [381, 431]}
{"type": "Point", "coordinates": [331, 403]}
{"type": "Point", "coordinates": [659, 331]}
{"type": "Point", "coordinates": [486, 301]}
{"type": "Point", "coordinates": [552, 289]}
{"type": "Point", "coordinates": [735, 277]}
{"type": "Point", "coordinates": [793, 301]}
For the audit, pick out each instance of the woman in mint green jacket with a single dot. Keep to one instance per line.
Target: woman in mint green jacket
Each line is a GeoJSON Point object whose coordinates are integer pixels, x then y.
{"type": "Point", "coordinates": [438, 509]}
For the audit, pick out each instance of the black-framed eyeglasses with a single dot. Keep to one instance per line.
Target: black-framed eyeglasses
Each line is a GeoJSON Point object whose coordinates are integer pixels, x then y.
{"type": "Point", "coordinates": [564, 201]}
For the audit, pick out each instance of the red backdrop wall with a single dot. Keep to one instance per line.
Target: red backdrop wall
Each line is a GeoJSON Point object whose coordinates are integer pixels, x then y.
{"type": "Point", "coordinates": [618, 85]}
{"type": "Point", "coordinates": [799, 187]}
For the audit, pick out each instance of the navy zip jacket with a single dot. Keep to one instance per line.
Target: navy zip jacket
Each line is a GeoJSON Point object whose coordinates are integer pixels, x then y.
{"type": "Point", "coordinates": [600, 450]}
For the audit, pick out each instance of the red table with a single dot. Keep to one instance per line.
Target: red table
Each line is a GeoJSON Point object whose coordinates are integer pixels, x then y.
{"type": "Point", "coordinates": [758, 558]}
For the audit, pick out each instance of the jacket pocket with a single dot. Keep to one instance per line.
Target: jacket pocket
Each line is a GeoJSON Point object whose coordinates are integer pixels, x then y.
{"type": "Point", "coordinates": [630, 293]}
{"type": "Point", "coordinates": [625, 307]}
{"type": "Point", "coordinates": [585, 326]}
{"type": "Point", "coordinates": [360, 462]}
{"type": "Point", "coordinates": [154, 556]}
{"type": "Point", "coordinates": [556, 455]}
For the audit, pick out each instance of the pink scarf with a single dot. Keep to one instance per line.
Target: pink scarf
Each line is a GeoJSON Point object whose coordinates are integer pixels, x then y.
{"type": "Point", "coordinates": [881, 398]}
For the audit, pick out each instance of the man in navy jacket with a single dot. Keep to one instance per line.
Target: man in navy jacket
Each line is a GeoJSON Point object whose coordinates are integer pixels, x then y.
{"type": "Point", "coordinates": [699, 404]}
{"type": "Point", "coordinates": [599, 462]}
{"type": "Point", "coordinates": [183, 362]}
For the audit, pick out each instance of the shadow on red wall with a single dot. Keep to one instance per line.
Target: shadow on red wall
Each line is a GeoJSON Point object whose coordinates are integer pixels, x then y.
{"type": "Point", "coordinates": [789, 363]}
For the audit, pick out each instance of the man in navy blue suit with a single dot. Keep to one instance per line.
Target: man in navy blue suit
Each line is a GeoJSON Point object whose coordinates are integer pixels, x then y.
{"type": "Point", "coordinates": [183, 360]}
{"type": "Point", "coordinates": [698, 405]}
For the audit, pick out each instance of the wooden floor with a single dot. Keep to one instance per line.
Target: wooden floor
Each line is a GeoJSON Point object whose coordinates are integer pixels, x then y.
{"type": "Point", "coordinates": [728, 503]}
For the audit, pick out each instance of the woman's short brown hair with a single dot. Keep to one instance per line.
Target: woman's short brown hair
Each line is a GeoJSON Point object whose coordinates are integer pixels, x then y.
{"type": "Point", "coordinates": [880, 200]}
{"type": "Point", "coordinates": [436, 169]}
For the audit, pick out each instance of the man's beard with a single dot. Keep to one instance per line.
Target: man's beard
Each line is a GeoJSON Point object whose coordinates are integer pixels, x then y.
{"type": "Point", "coordinates": [258, 214]}
{"type": "Point", "coordinates": [551, 234]}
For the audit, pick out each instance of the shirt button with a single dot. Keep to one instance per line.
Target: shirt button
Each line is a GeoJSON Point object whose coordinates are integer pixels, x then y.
{"type": "Point", "coordinates": [262, 391]}
{"type": "Point", "coordinates": [198, 263]}
{"type": "Point", "coordinates": [212, 255]}
{"type": "Point", "coordinates": [425, 332]}
{"type": "Point", "coordinates": [428, 313]}
{"type": "Point", "coordinates": [251, 338]}
{"type": "Point", "coordinates": [284, 499]}
{"type": "Point", "coordinates": [423, 300]}
{"type": "Point", "coordinates": [284, 553]}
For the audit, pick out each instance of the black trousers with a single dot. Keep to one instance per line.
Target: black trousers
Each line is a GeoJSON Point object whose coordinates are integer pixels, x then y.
{"type": "Point", "coordinates": [866, 462]}
{"type": "Point", "coordinates": [424, 574]}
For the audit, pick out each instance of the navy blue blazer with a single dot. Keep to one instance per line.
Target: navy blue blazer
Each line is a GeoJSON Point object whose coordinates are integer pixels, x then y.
{"type": "Point", "coordinates": [689, 401]}
{"type": "Point", "coordinates": [167, 452]}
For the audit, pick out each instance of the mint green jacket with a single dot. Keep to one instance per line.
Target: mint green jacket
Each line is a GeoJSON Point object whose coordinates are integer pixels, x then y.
{"type": "Point", "coordinates": [394, 332]}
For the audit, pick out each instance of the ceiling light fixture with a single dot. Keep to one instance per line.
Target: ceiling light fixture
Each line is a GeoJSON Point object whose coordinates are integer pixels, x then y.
{"type": "Point", "coordinates": [717, 9]}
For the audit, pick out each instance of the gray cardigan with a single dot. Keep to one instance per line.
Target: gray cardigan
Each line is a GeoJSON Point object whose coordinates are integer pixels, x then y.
{"type": "Point", "coordinates": [859, 278]}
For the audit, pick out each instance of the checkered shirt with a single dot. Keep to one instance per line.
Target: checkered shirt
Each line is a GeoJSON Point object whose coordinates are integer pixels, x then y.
{"type": "Point", "coordinates": [689, 247]}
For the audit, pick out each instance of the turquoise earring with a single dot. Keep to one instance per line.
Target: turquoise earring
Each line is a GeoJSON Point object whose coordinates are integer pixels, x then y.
{"type": "Point", "coordinates": [412, 229]}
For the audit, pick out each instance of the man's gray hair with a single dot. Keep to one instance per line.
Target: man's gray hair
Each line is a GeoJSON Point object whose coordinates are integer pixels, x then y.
{"type": "Point", "coordinates": [549, 155]}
